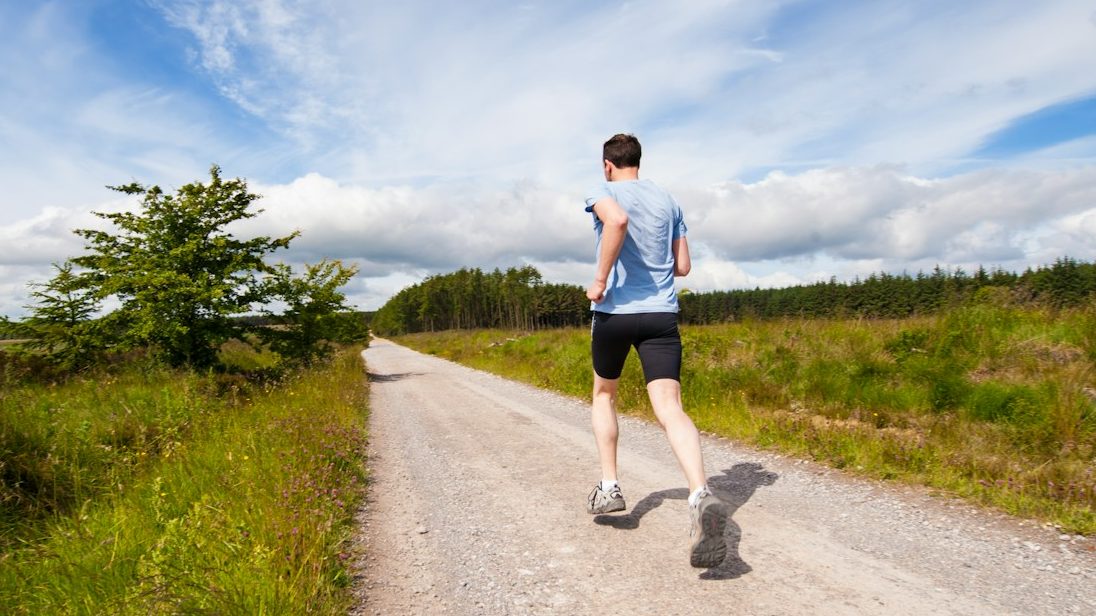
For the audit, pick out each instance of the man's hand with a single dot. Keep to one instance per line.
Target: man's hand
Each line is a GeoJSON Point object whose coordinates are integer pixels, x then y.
{"type": "Point", "coordinates": [596, 292]}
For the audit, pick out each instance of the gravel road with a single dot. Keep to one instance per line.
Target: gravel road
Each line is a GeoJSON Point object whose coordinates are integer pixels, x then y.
{"type": "Point", "coordinates": [477, 506]}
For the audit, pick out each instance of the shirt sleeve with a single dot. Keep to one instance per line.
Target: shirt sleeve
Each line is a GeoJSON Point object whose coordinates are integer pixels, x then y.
{"type": "Point", "coordinates": [680, 228]}
{"type": "Point", "coordinates": [599, 193]}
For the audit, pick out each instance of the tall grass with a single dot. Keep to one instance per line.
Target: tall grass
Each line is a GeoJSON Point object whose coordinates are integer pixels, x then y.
{"type": "Point", "coordinates": [994, 403]}
{"type": "Point", "coordinates": [157, 491]}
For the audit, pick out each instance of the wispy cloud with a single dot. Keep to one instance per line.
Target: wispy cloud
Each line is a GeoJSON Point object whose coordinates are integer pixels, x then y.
{"type": "Point", "coordinates": [72, 121]}
{"type": "Point", "coordinates": [468, 90]}
{"type": "Point", "coordinates": [718, 89]}
{"type": "Point", "coordinates": [271, 58]}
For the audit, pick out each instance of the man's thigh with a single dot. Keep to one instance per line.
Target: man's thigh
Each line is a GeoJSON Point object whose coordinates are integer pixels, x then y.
{"type": "Point", "coordinates": [611, 337]}
{"type": "Point", "coordinates": [658, 343]}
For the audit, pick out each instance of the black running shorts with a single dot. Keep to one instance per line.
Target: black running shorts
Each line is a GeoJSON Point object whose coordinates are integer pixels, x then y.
{"type": "Point", "coordinates": [653, 334]}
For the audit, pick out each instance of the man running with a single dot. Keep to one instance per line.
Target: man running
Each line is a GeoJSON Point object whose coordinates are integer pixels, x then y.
{"type": "Point", "coordinates": [641, 246]}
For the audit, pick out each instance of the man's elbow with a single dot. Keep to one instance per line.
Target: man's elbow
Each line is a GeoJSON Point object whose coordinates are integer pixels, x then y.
{"type": "Point", "coordinates": [682, 270]}
{"type": "Point", "coordinates": [617, 221]}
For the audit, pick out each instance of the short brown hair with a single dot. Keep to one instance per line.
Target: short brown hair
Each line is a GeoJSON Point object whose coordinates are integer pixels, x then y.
{"type": "Point", "coordinates": [622, 150]}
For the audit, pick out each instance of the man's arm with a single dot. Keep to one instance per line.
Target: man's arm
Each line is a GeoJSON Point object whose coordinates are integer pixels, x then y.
{"type": "Point", "coordinates": [682, 263]}
{"type": "Point", "coordinates": [614, 222]}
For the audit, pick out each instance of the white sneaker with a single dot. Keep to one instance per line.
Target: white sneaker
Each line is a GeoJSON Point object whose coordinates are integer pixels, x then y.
{"type": "Point", "coordinates": [708, 547]}
{"type": "Point", "coordinates": [601, 501]}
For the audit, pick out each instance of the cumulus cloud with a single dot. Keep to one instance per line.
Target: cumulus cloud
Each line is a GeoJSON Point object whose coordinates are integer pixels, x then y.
{"type": "Point", "coordinates": [875, 212]}
{"type": "Point", "coordinates": [14, 287]}
{"type": "Point", "coordinates": [46, 238]}
{"type": "Point", "coordinates": [781, 230]}
{"type": "Point", "coordinates": [428, 227]}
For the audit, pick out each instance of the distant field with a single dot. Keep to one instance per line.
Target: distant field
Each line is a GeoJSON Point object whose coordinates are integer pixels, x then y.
{"type": "Point", "coordinates": [992, 403]}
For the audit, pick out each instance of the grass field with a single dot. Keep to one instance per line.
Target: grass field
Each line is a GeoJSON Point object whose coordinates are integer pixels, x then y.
{"type": "Point", "coordinates": [993, 403]}
{"type": "Point", "coordinates": [146, 490]}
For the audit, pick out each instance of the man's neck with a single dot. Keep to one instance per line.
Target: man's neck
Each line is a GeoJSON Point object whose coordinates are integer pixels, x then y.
{"type": "Point", "coordinates": [624, 174]}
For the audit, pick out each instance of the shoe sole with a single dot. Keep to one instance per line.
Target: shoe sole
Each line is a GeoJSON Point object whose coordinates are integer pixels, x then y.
{"type": "Point", "coordinates": [608, 508]}
{"type": "Point", "coordinates": [710, 548]}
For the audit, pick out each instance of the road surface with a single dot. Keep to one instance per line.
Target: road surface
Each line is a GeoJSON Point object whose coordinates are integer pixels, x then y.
{"type": "Point", "coordinates": [477, 506]}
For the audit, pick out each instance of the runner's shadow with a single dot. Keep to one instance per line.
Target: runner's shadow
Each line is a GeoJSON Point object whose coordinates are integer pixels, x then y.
{"type": "Point", "coordinates": [734, 487]}
{"type": "Point", "coordinates": [389, 378]}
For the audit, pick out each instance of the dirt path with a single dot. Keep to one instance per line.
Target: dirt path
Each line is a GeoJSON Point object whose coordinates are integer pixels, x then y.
{"type": "Point", "coordinates": [477, 500]}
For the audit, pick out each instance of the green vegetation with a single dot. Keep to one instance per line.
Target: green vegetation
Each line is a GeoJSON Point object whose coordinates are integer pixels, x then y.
{"type": "Point", "coordinates": [189, 451]}
{"type": "Point", "coordinates": [143, 489]}
{"type": "Point", "coordinates": [1066, 283]}
{"type": "Point", "coordinates": [470, 298]}
{"type": "Point", "coordinates": [990, 401]}
{"type": "Point", "coordinates": [181, 282]}
{"type": "Point", "coordinates": [519, 299]}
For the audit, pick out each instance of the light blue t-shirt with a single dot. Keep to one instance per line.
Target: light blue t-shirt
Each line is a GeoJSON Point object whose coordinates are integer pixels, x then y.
{"type": "Point", "coordinates": [643, 278]}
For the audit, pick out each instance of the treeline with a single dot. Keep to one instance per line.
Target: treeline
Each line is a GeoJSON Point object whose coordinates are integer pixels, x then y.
{"type": "Point", "coordinates": [519, 299]}
{"type": "Point", "coordinates": [1067, 282]}
{"type": "Point", "coordinates": [471, 298]}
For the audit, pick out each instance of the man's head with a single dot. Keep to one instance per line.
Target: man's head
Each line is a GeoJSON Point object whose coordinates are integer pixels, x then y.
{"type": "Point", "coordinates": [621, 152]}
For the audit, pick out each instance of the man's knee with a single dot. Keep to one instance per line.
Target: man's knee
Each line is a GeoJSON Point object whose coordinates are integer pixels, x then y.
{"type": "Point", "coordinates": [664, 389]}
{"type": "Point", "coordinates": [605, 387]}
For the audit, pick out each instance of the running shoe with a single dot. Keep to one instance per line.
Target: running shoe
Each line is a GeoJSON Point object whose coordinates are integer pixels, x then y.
{"type": "Point", "coordinates": [708, 546]}
{"type": "Point", "coordinates": [601, 501]}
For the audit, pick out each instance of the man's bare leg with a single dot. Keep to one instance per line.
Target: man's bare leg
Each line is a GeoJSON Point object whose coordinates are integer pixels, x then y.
{"type": "Point", "coordinates": [707, 546]}
{"type": "Point", "coordinates": [683, 436]}
{"type": "Point", "coordinates": [604, 418]}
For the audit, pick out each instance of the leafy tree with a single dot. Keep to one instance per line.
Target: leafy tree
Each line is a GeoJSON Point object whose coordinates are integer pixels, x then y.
{"type": "Point", "coordinates": [313, 313]}
{"type": "Point", "coordinates": [11, 329]}
{"type": "Point", "coordinates": [179, 276]}
{"type": "Point", "coordinates": [61, 323]}
{"type": "Point", "coordinates": [182, 282]}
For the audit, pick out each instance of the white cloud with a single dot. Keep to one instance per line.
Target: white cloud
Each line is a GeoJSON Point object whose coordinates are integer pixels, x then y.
{"type": "Point", "coordinates": [270, 57]}
{"type": "Point", "coordinates": [46, 238]}
{"type": "Point", "coordinates": [782, 230]}
{"type": "Point", "coordinates": [407, 92]}
{"type": "Point", "coordinates": [14, 289]}
{"type": "Point", "coordinates": [880, 212]}
{"type": "Point", "coordinates": [439, 226]}
{"type": "Point", "coordinates": [422, 89]}
{"type": "Point", "coordinates": [1081, 150]}
{"type": "Point", "coordinates": [892, 83]}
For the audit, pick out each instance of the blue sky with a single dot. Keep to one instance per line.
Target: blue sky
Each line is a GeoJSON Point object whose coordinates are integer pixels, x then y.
{"type": "Point", "coordinates": [805, 139]}
{"type": "Point", "coordinates": [1044, 128]}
